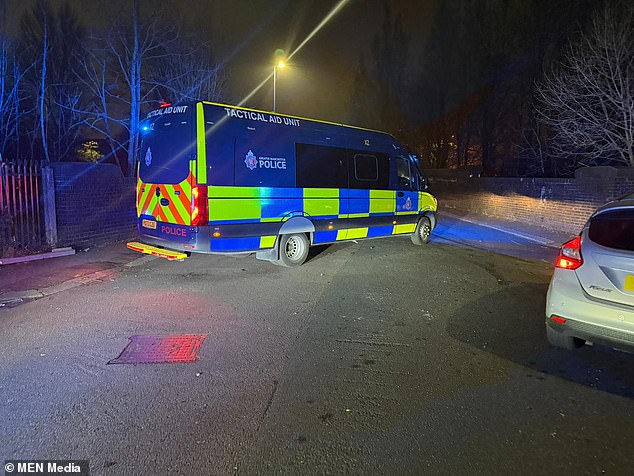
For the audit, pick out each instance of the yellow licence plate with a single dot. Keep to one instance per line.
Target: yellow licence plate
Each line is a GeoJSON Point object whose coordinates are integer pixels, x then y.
{"type": "Point", "coordinates": [629, 282]}
{"type": "Point", "coordinates": [149, 224]}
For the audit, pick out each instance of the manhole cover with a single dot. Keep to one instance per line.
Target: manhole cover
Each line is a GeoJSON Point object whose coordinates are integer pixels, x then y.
{"type": "Point", "coordinates": [161, 350]}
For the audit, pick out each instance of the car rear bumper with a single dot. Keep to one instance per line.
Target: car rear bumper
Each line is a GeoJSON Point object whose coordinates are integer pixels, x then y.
{"type": "Point", "coordinates": [587, 317]}
{"type": "Point", "coordinates": [593, 333]}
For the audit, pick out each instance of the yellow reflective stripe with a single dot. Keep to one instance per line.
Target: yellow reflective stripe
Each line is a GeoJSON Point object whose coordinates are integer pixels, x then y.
{"type": "Point", "coordinates": [267, 241]}
{"type": "Point", "coordinates": [355, 215]}
{"type": "Point", "coordinates": [235, 209]}
{"type": "Point", "coordinates": [233, 192]}
{"type": "Point", "coordinates": [187, 188]}
{"type": "Point", "coordinates": [201, 156]}
{"type": "Point", "coordinates": [408, 228]}
{"type": "Point", "coordinates": [180, 208]}
{"type": "Point", "coordinates": [321, 193]}
{"type": "Point", "coordinates": [382, 201]}
{"type": "Point", "coordinates": [144, 197]}
{"type": "Point", "coordinates": [151, 205]}
{"type": "Point", "coordinates": [426, 201]}
{"type": "Point", "coordinates": [168, 214]}
{"type": "Point", "coordinates": [321, 201]}
{"type": "Point", "coordinates": [341, 234]}
{"type": "Point", "coordinates": [138, 197]}
{"type": "Point", "coordinates": [354, 233]}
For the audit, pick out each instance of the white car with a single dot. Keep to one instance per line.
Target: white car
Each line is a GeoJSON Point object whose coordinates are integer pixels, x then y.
{"type": "Point", "coordinates": [591, 294]}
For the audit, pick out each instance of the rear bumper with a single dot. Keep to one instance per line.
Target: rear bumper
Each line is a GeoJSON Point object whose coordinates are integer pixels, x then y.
{"type": "Point", "coordinates": [176, 237]}
{"type": "Point", "coordinates": [594, 333]}
{"type": "Point", "coordinates": [585, 317]}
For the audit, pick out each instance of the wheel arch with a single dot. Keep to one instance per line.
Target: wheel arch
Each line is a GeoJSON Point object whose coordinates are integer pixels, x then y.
{"type": "Point", "coordinates": [297, 225]}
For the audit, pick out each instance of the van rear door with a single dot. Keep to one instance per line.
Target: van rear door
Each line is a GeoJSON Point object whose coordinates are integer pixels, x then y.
{"type": "Point", "coordinates": [168, 146]}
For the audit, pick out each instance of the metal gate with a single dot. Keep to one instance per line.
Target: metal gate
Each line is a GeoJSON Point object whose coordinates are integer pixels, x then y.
{"type": "Point", "coordinates": [21, 220]}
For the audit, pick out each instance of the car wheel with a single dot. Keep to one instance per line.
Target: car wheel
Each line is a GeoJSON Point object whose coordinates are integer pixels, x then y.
{"type": "Point", "coordinates": [558, 339]}
{"type": "Point", "coordinates": [422, 233]}
{"type": "Point", "coordinates": [293, 250]}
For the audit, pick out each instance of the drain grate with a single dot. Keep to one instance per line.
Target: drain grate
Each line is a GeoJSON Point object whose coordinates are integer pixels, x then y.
{"type": "Point", "coordinates": [180, 348]}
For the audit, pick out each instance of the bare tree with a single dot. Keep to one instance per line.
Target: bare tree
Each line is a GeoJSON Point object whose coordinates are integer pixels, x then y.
{"type": "Point", "coordinates": [93, 72]}
{"type": "Point", "coordinates": [50, 38]}
{"type": "Point", "coordinates": [120, 76]}
{"type": "Point", "coordinates": [136, 53]}
{"type": "Point", "coordinates": [190, 75]}
{"type": "Point", "coordinates": [11, 77]}
{"type": "Point", "coordinates": [589, 101]}
{"type": "Point", "coordinates": [42, 96]}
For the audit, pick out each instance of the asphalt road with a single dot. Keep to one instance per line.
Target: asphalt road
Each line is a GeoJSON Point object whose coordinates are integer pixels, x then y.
{"type": "Point", "coordinates": [373, 358]}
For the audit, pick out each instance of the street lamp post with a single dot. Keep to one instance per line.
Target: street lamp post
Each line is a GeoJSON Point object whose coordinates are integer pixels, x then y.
{"type": "Point", "coordinates": [279, 64]}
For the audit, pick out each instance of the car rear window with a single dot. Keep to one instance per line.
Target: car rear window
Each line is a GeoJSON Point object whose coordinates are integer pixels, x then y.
{"type": "Point", "coordinates": [614, 229]}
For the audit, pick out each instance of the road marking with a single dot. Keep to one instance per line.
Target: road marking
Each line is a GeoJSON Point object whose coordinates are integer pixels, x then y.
{"type": "Point", "coordinates": [377, 343]}
{"type": "Point", "coordinates": [535, 239]}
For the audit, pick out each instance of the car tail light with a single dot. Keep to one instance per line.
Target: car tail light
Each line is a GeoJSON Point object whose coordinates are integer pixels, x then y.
{"type": "Point", "coordinates": [559, 320]}
{"type": "Point", "coordinates": [570, 255]}
{"type": "Point", "coordinates": [200, 214]}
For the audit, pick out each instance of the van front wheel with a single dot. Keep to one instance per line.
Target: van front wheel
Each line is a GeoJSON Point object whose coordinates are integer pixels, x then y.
{"type": "Point", "coordinates": [293, 249]}
{"type": "Point", "coordinates": [422, 232]}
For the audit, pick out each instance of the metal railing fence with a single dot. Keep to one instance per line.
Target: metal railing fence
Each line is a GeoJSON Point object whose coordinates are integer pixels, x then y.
{"type": "Point", "coordinates": [21, 211]}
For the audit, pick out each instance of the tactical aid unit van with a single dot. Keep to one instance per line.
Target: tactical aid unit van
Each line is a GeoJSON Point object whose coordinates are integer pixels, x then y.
{"type": "Point", "coordinates": [215, 178]}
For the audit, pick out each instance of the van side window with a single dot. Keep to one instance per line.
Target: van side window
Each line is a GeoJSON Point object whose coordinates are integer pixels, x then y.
{"type": "Point", "coordinates": [369, 171]}
{"type": "Point", "coordinates": [366, 167]}
{"type": "Point", "coordinates": [404, 174]}
{"type": "Point", "coordinates": [321, 167]}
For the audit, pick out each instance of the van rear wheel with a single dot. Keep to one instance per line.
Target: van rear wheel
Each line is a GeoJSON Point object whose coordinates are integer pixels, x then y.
{"type": "Point", "coordinates": [293, 250]}
{"type": "Point", "coordinates": [422, 233]}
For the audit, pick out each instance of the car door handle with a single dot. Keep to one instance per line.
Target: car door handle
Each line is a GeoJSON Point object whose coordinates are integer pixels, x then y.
{"type": "Point", "coordinates": [400, 194]}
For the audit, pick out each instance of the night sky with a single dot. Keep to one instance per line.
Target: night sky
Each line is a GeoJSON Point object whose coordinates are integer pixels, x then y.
{"type": "Point", "coordinates": [245, 33]}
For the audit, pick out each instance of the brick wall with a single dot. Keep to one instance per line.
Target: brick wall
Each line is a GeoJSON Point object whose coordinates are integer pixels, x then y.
{"type": "Point", "coordinates": [562, 204]}
{"type": "Point", "coordinates": [94, 203]}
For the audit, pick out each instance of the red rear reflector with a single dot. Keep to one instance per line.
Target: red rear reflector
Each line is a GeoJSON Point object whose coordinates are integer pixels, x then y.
{"type": "Point", "coordinates": [558, 319]}
{"type": "Point", "coordinates": [134, 248]}
{"type": "Point", "coordinates": [570, 255]}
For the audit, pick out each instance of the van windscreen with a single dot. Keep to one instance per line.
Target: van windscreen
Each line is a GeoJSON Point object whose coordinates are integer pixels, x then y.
{"type": "Point", "coordinates": [614, 229]}
{"type": "Point", "coordinates": [168, 144]}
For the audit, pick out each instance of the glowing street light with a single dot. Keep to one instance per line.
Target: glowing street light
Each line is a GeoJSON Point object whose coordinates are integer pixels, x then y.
{"type": "Point", "coordinates": [279, 64]}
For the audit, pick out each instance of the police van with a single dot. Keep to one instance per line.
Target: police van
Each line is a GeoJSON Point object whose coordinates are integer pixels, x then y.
{"type": "Point", "coordinates": [215, 178]}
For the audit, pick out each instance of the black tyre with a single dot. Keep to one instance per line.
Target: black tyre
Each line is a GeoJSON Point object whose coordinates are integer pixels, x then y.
{"type": "Point", "coordinates": [293, 250]}
{"type": "Point", "coordinates": [422, 233]}
{"type": "Point", "coordinates": [558, 339]}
